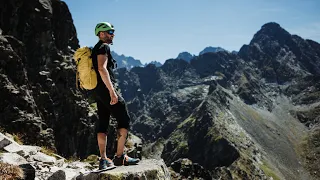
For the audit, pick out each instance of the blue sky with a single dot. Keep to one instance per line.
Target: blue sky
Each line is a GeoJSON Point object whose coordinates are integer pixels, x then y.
{"type": "Point", "coordinates": [151, 30]}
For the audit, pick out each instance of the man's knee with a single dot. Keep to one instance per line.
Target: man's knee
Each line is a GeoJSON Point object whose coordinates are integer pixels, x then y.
{"type": "Point", "coordinates": [122, 115]}
{"type": "Point", "coordinates": [122, 133]}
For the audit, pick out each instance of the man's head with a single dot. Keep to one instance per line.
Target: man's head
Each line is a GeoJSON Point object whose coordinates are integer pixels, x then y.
{"type": "Point", "coordinates": [105, 32]}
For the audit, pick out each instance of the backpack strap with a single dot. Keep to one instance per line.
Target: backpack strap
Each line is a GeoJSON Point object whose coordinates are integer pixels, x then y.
{"type": "Point", "coordinates": [77, 80]}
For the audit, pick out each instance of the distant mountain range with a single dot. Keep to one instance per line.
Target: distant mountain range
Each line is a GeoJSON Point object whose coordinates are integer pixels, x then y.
{"type": "Point", "coordinates": [211, 49]}
{"type": "Point", "coordinates": [188, 56]}
{"type": "Point", "coordinates": [126, 61]}
{"type": "Point", "coordinates": [130, 62]}
{"type": "Point", "coordinates": [156, 63]}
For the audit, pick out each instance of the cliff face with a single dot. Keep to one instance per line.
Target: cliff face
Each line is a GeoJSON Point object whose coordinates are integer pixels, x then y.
{"type": "Point", "coordinates": [39, 99]}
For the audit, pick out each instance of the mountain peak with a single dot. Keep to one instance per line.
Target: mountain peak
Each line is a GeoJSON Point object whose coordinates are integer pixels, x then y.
{"type": "Point", "coordinates": [271, 25]}
{"type": "Point", "coordinates": [270, 31]}
{"type": "Point", "coordinates": [185, 56]}
{"type": "Point", "coordinates": [211, 49]}
{"type": "Point", "coordinates": [156, 63]}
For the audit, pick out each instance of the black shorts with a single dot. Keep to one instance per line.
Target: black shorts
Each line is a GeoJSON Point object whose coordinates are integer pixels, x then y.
{"type": "Point", "coordinates": [119, 111]}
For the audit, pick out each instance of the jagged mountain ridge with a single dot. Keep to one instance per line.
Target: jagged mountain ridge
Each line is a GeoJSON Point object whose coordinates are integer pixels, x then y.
{"type": "Point", "coordinates": [130, 62]}
{"type": "Point", "coordinates": [271, 75]}
{"type": "Point", "coordinates": [126, 62]}
{"type": "Point", "coordinates": [156, 63]}
{"type": "Point", "coordinates": [188, 57]}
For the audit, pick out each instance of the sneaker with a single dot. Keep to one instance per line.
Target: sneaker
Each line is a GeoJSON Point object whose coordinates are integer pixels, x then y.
{"type": "Point", "coordinates": [105, 163]}
{"type": "Point", "coordinates": [125, 160]}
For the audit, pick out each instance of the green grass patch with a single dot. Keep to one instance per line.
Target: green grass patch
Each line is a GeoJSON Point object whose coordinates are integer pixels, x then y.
{"type": "Point", "coordinates": [242, 135]}
{"type": "Point", "coordinates": [72, 159]}
{"type": "Point", "coordinates": [217, 138]}
{"type": "Point", "coordinates": [183, 147]}
{"type": "Point", "coordinates": [47, 151]}
{"type": "Point", "coordinates": [189, 121]}
{"type": "Point", "coordinates": [2, 130]}
{"type": "Point", "coordinates": [177, 136]}
{"type": "Point", "coordinates": [18, 138]}
{"type": "Point", "coordinates": [243, 80]}
{"type": "Point", "coordinates": [2, 151]}
{"type": "Point", "coordinates": [268, 171]}
{"type": "Point", "coordinates": [309, 151]}
{"type": "Point", "coordinates": [242, 117]}
{"type": "Point", "coordinates": [92, 159]}
{"type": "Point", "coordinates": [253, 114]}
{"type": "Point", "coordinates": [214, 134]}
{"type": "Point", "coordinates": [179, 141]}
{"type": "Point", "coordinates": [93, 106]}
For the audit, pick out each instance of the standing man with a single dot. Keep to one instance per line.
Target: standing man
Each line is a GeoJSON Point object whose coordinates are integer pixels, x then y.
{"type": "Point", "coordinates": [108, 99]}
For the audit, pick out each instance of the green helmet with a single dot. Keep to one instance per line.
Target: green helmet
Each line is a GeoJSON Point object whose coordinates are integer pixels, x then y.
{"type": "Point", "coordinates": [103, 26]}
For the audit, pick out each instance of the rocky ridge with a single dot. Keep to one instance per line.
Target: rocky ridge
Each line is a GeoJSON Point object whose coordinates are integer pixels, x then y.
{"type": "Point", "coordinates": [126, 62]}
{"type": "Point", "coordinates": [250, 112]}
{"type": "Point", "coordinates": [40, 164]}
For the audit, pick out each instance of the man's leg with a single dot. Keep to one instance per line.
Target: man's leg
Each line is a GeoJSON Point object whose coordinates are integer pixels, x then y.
{"type": "Point", "coordinates": [121, 158]}
{"type": "Point", "coordinates": [102, 128]}
{"type": "Point", "coordinates": [122, 136]}
{"type": "Point", "coordinates": [120, 112]}
{"type": "Point", "coordinates": [102, 143]}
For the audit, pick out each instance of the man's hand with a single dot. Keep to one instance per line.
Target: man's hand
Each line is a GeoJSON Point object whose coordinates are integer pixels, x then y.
{"type": "Point", "coordinates": [114, 97]}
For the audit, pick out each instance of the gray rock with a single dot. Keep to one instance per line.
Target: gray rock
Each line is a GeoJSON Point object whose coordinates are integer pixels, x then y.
{"type": "Point", "coordinates": [28, 150]}
{"type": "Point", "coordinates": [29, 171]}
{"type": "Point", "coordinates": [58, 175]}
{"type": "Point", "coordinates": [59, 162]}
{"type": "Point", "coordinates": [13, 147]}
{"type": "Point", "coordinates": [12, 158]}
{"type": "Point", "coordinates": [43, 158]}
{"type": "Point", "coordinates": [9, 144]}
{"type": "Point", "coordinates": [146, 169]}
{"type": "Point", "coordinates": [3, 141]}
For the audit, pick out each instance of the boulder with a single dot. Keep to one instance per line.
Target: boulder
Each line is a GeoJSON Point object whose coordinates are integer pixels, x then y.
{"type": "Point", "coordinates": [146, 169]}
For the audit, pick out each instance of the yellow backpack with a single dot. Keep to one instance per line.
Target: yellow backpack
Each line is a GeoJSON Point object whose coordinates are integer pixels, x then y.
{"type": "Point", "coordinates": [86, 74]}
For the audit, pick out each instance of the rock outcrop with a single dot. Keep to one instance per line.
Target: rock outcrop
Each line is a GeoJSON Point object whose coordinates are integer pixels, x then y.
{"type": "Point", "coordinates": [33, 162]}
{"type": "Point", "coordinates": [37, 77]}
{"type": "Point", "coordinates": [147, 169]}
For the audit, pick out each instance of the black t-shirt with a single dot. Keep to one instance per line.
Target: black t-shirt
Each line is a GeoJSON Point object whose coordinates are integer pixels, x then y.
{"type": "Point", "coordinates": [103, 48]}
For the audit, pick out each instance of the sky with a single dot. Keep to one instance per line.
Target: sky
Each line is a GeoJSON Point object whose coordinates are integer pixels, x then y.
{"type": "Point", "coordinates": [157, 30]}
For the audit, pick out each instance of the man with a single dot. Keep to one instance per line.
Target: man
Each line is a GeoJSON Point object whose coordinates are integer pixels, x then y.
{"type": "Point", "coordinates": [108, 99]}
